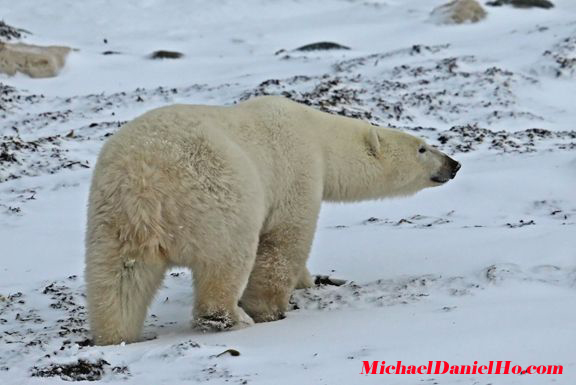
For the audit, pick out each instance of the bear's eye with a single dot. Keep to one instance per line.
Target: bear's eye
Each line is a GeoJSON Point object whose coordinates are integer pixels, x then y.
{"type": "Point", "coordinates": [421, 150]}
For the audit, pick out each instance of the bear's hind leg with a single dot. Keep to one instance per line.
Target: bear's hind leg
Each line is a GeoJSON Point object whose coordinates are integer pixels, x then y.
{"type": "Point", "coordinates": [119, 291]}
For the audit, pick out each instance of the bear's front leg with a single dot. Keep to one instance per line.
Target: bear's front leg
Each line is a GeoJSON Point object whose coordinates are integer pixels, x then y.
{"type": "Point", "coordinates": [280, 266]}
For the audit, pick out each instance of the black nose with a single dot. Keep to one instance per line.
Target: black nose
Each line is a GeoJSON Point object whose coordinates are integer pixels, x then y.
{"type": "Point", "coordinates": [455, 169]}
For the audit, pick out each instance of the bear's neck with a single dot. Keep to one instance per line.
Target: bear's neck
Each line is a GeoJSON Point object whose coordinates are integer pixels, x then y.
{"type": "Point", "coordinates": [351, 171]}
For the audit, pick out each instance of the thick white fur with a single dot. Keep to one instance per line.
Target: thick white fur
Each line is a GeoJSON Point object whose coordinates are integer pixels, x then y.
{"type": "Point", "coordinates": [232, 193]}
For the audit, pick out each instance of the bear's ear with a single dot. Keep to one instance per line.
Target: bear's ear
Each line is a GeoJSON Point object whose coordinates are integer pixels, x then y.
{"type": "Point", "coordinates": [373, 142]}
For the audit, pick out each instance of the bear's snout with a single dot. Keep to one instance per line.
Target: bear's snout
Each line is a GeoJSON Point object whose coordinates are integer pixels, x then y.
{"type": "Point", "coordinates": [454, 166]}
{"type": "Point", "coordinates": [448, 170]}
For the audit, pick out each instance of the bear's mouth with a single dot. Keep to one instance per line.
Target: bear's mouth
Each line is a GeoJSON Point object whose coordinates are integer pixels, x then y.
{"type": "Point", "coordinates": [439, 179]}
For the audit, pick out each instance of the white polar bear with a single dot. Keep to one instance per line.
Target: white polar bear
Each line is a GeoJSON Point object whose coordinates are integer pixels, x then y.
{"type": "Point", "coordinates": [233, 193]}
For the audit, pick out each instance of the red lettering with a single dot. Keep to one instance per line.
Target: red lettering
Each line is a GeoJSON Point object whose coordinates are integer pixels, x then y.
{"type": "Point", "coordinates": [444, 370]}
{"type": "Point", "coordinates": [499, 367]}
{"type": "Point", "coordinates": [443, 367]}
{"type": "Point", "coordinates": [367, 369]}
{"type": "Point", "coordinates": [555, 369]}
{"type": "Point", "coordinates": [465, 369]}
{"type": "Point", "coordinates": [382, 367]}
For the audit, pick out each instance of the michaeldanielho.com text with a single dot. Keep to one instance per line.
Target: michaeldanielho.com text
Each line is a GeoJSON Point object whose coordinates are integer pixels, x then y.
{"type": "Point", "coordinates": [443, 367]}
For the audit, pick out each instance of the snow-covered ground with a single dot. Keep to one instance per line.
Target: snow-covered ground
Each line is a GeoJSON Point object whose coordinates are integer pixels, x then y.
{"type": "Point", "coordinates": [481, 269]}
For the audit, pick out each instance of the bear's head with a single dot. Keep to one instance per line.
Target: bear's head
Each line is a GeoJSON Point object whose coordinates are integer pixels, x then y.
{"type": "Point", "coordinates": [408, 163]}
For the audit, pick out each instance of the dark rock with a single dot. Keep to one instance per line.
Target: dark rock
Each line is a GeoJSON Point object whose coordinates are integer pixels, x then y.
{"type": "Point", "coordinates": [162, 54]}
{"type": "Point", "coordinates": [327, 280]}
{"type": "Point", "coordinates": [522, 3]}
{"type": "Point", "coordinates": [7, 157]}
{"type": "Point", "coordinates": [321, 46]}
{"type": "Point", "coordinates": [232, 352]}
{"type": "Point", "coordinates": [8, 32]}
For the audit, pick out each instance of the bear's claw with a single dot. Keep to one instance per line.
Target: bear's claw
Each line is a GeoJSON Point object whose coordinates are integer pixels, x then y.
{"type": "Point", "coordinates": [269, 317]}
{"type": "Point", "coordinates": [213, 322]}
{"type": "Point", "coordinates": [223, 321]}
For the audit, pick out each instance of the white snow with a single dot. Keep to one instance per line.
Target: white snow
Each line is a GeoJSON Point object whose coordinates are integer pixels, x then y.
{"type": "Point", "coordinates": [481, 269]}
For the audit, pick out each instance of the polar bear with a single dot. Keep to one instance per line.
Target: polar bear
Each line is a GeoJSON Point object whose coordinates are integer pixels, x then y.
{"type": "Point", "coordinates": [234, 194]}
